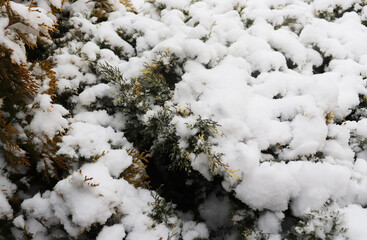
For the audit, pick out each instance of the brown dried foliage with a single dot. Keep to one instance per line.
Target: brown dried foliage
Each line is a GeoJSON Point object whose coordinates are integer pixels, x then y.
{"type": "Point", "coordinates": [48, 74]}
{"type": "Point", "coordinates": [96, 157]}
{"type": "Point", "coordinates": [136, 174]}
{"type": "Point", "coordinates": [86, 179]}
{"type": "Point", "coordinates": [13, 154]}
{"type": "Point", "coordinates": [16, 81]}
{"type": "Point", "coordinates": [17, 87]}
{"type": "Point", "coordinates": [129, 6]}
{"type": "Point", "coordinates": [104, 7]}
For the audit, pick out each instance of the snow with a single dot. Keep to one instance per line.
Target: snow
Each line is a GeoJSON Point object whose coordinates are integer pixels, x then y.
{"type": "Point", "coordinates": [100, 117]}
{"type": "Point", "coordinates": [79, 195]}
{"type": "Point", "coordinates": [5, 208]}
{"type": "Point", "coordinates": [116, 161]}
{"type": "Point", "coordinates": [53, 112]}
{"type": "Point", "coordinates": [309, 185]}
{"type": "Point", "coordinates": [89, 195]}
{"type": "Point", "coordinates": [115, 232]}
{"type": "Point", "coordinates": [90, 49]}
{"type": "Point", "coordinates": [107, 35]}
{"type": "Point", "coordinates": [7, 190]}
{"type": "Point", "coordinates": [90, 95]}
{"type": "Point", "coordinates": [355, 217]}
{"type": "Point", "coordinates": [19, 222]}
{"type": "Point", "coordinates": [40, 207]}
{"type": "Point", "coordinates": [95, 140]}
{"type": "Point", "coordinates": [192, 231]}
{"type": "Point", "coordinates": [270, 222]}
{"type": "Point", "coordinates": [309, 141]}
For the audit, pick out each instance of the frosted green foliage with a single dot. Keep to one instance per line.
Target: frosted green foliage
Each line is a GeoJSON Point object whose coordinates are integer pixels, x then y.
{"type": "Point", "coordinates": [322, 224]}
{"type": "Point", "coordinates": [162, 211]}
{"type": "Point", "coordinates": [148, 97]}
{"type": "Point", "coordinates": [335, 10]}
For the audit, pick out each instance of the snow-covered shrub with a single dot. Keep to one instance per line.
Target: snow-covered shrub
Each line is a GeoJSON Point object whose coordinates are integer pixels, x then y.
{"type": "Point", "coordinates": [250, 113]}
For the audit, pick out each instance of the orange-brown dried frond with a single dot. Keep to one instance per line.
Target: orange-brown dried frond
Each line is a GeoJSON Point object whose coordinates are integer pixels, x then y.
{"type": "Point", "coordinates": [86, 179]}
{"type": "Point", "coordinates": [15, 80]}
{"type": "Point", "coordinates": [129, 6]}
{"type": "Point", "coordinates": [57, 9]}
{"type": "Point", "coordinates": [102, 9]}
{"type": "Point", "coordinates": [100, 13]}
{"type": "Point", "coordinates": [15, 161]}
{"type": "Point", "coordinates": [136, 174]}
{"type": "Point", "coordinates": [31, 5]}
{"type": "Point", "coordinates": [137, 155]}
{"type": "Point", "coordinates": [47, 66]}
{"type": "Point", "coordinates": [98, 156]}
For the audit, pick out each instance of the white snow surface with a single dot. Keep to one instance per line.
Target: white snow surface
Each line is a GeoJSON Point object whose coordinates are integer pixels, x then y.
{"type": "Point", "coordinates": [52, 112]}
{"type": "Point", "coordinates": [90, 196]}
{"type": "Point", "coordinates": [115, 232]}
{"type": "Point", "coordinates": [356, 218]}
{"type": "Point", "coordinates": [7, 191]}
